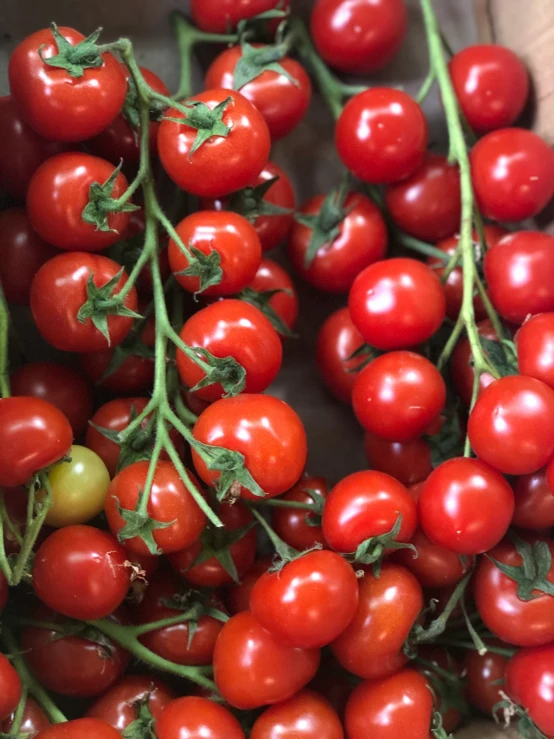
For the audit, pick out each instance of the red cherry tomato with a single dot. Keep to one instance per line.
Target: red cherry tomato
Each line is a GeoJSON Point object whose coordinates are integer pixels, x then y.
{"type": "Point", "coordinates": [119, 706]}
{"type": "Point", "coordinates": [135, 374]}
{"type": "Point", "coordinates": [11, 688]}
{"type": "Point", "coordinates": [306, 715]}
{"type": "Point", "coordinates": [297, 527]}
{"type": "Point", "coordinates": [484, 678]}
{"type": "Point", "coordinates": [237, 596]}
{"type": "Point", "coordinates": [513, 174]}
{"type": "Point", "coordinates": [34, 720]}
{"type": "Point", "coordinates": [84, 728]}
{"type": "Point", "coordinates": [197, 717]}
{"type": "Point", "coordinates": [337, 340]}
{"type": "Point", "coordinates": [362, 241]}
{"type": "Point", "coordinates": [491, 84]}
{"type": "Point", "coordinates": [271, 276]}
{"type": "Point", "coordinates": [58, 292]}
{"type": "Point", "coordinates": [220, 16]}
{"type": "Point", "coordinates": [534, 501]}
{"type": "Point", "coordinates": [223, 164]}
{"type": "Point", "coordinates": [529, 678]}
{"type": "Point", "coordinates": [434, 566]}
{"type": "Point", "coordinates": [535, 348]}
{"type": "Point", "coordinates": [409, 462]}
{"type": "Point", "coordinates": [461, 369]}
{"type": "Point", "coordinates": [381, 135]}
{"type": "Point", "coordinates": [456, 513]}
{"type": "Point", "coordinates": [397, 303]}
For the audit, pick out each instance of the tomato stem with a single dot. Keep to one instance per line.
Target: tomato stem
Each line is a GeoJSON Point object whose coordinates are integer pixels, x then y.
{"type": "Point", "coordinates": [421, 635]}
{"type": "Point", "coordinates": [33, 526]}
{"type": "Point", "coordinates": [462, 644]}
{"type": "Point", "coordinates": [4, 332]}
{"type": "Point", "coordinates": [426, 86]}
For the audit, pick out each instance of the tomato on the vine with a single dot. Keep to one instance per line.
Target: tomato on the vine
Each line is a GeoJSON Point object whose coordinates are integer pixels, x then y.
{"type": "Point", "coordinates": [271, 276]}
{"type": "Point", "coordinates": [534, 501]}
{"type": "Point", "coordinates": [84, 728]}
{"type": "Point", "coordinates": [409, 461]}
{"type": "Point", "coordinates": [192, 716]}
{"type": "Point", "coordinates": [218, 16]}
{"type": "Point", "coordinates": [10, 683]}
{"type": "Point", "coordinates": [461, 368]}
{"type": "Point", "coordinates": [535, 348]}
{"type": "Point", "coordinates": [529, 679]}
{"type": "Point", "coordinates": [337, 341]}
{"type": "Point", "coordinates": [34, 720]}
{"type": "Point", "coordinates": [237, 595]}
{"type": "Point", "coordinates": [305, 715]}
{"type": "Point", "coordinates": [134, 375]}
{"type": "Point", "coordinates": [484, 678]}
{"type": "Point", "coordinates": [435, 566]}
{"type": "Point", "coordinates": [296, 526]}
{"type": "Point", "coordinates": [120, 705]}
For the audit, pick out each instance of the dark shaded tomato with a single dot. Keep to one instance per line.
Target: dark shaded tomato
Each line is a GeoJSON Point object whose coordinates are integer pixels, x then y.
{"type": "Point", "coordinates": [397, 303]}
{"type": "Point", "coordinates": [440, 661]}
{"type": "Point", "coordinates": [58, 292]}
{"type": "Point", "coordinates": [10, 694]}
{"type": "Point", "coordinates": [120, 705]}
{"type": "Point", "coordinates": [535, 348]}
{"type": "Point", "coordinates": [134, 375]}
{"type": "Point", "coordinates": [333, 683]}
{"type": "Point", "coordinates": [219, 16]}
{"type": "Point", "coordinates": [84, 728]}
{"type": "Point", "coordinates": [282, 99]}
{"type": "Point", "coordinates": [34, 434]}
{"type": "Point", "coordinates": [434, 566]}
{"type": "Point", "coordinates": [337, 340]}
{"type": "Point", "coordinates": [297, 527]}
{"type": "Point", "coordinates": [58, 384]}
{"type": "Point", "coordinates": [513, 174]}
{"type": "Point", "coordinates": [197, 717]}
{"type": "Point", "coordinates": [409, 461]}
{"type": "Point", "coordinates": [534, 501]}
{"type": "Point", "coordinates": [484, 678]}
{"type": "Point", "coordinates": [511, 426]}
{"type": "Point", "coordinates": [55, 104]}
{"type": "Point", "coordinates": [366, 504]}
{"type": "Point", "coordinates": [362, 240]}
{"type": "Point", "coordinates": [371, 646]}
{"type": "Point", "coordinates": [227, 233]}
{"type": "Point", "coordinates": [427, 205]}
{"type": "Point", "coordinates": [266, 430]}
{"type": "Point", "coordinates": [529, 679]}
{"type": "Point", "coordinates": [223, 164]}
{"type": "Point", "coordinates": [491, 84]}
{"type": "Point", "coordinates": [307, 715]}
{"type": "Point", "coordinates": [381, 135]}
{"type": "Point", "coordinates": [525, 623]}
{"type": "Point", "coordinates": [170, 502]}
{"type": "Point", "coordinates": [466, 506]}
{"type": "Point", "coordinates": [237, 596]}
{"type": "Point", "coordinates": [34, 720]}
{"type": "Point", "coordinates": [517, 272]}
{"type": "Point", "coordinates": [461, 369]}
{"type": "Point", "coordinates": [95, 578]}
{"type": "Point", "coordinates": [252, 669]}
{"type": "Point", "coordinates": [271, 276]}
{"type": "Point", "coordinates": [231, 328]}
{"type": "Point", "coordinates": [22, 253]}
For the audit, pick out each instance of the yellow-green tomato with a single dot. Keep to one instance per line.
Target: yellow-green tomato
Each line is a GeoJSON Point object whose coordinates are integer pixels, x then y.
{"type": "Point", "coordinates": [78, 488]}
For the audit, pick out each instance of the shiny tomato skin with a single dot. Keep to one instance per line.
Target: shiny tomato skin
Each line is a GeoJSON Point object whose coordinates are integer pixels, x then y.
{"type": "Point", "coordinates": [265, 430]}
{"type": "Point", "coordinates": [11, 688]}
{"type": "Point", "coordinates": [56, 105]}
{"type": "Point", "coordinates": [227, 233]}
{"type": "Point", "coordinates": [461, 369]}
{"type": "Point", "coordinates": [194, 717]}
{"type": "Point", "coordinates": [84, 728]}
{"type": "Point", "coordinates": [409, 462]}
{"type": "Point", "coordinates": [306, 715]}
{"type": "Point", "coordinates": [295, 525]}
{"type": "Point", "coordinates": [59, 290]}
{"type": "Point", "coordinates": [529, 678]}
{"type": "Point", "coordinates": [231, 328]}
{"type": "Point", "coordinates": [221, 165]}
{"type": "Point", "coordinates": [388, 606]}
{"type": "Point", "coordinates": [237, 595]}
{"type": "Point", "coordinates": [220, 16]}
{"type": "Point", "coordinates": [95, 577]}
{"type": "Point", "coordinates": [33, 435]}
{"type": "Point", "coordinates": [381, 135]}
{"type": "Point", "coordinates": [251, 669]}
{"type": "Point", "coordinates": [366, 504]}
{"type": "Point", "coordinates": [170, 502]}
{"type": "Point", "coordinates": [434, 566]}
{"type": "Point", "coordinates": [118, 706]}
{"type": "Point", "coordinates": [309, 602]}
{"type": "Point", "coordinates": [511, 426]}
{"type": "Point", "coordinates": [34, 720]}
{"type": "Point", "coordinates": [534, 500]}
{"type": "Point", "coordinates": [362, 241]}
{"type": "Point", "coordinates": [337, 340]}
{"type": "Point", "coordinates": [513, 174]}
{"type": "Point", "coordinates": [535, 348]}
{"type": "Point", "coordinates": [271, 276]}
{"type": "Point", "coordinates": [427, 205]}
{"type": "Point", "coordinates": [491, 84]}
{"type": "Point", "coordinates": [59, 192]}
{"type": "Point", "coordinates": [483, 676]}
{"type": "Point", "coordinates": [397, 303]}
{"type": "Point", "coordinates": [455, 512]}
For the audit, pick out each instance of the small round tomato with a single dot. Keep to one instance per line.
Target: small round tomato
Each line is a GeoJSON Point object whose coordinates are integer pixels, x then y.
{"type": "Point", "coordinates": [491, 84]}
{"type": "Point", "coordinates": [228, 234]}
{"type": "Point", "coordinates": [252, 669]}
{"type": "Point", "coordinates": [282, 99]}
{"type": "Point", "coordinates": [297, 527]}
{"type": "Point", "coordinates": [11, 688]}
{"type": "Point", "coordinates": [535, 348]}
{"type": "Point", "coordinates": [58, 384]}
{"type": "Point", "coordinates": [388, 606]}
{"type": "Point", "coordinates": [95, 575]}
{"type": "Point", "coordinates": [513, 174]}
{"type": "Point", "coordinates": [466, 506]}
{"type": "Point", "coordinates": [220, 16]}
{"type": "Point", "coordinates": [34, 434]}
{"type": "Point", "coordinates": [265, 430]}
{"type": "Point", "coordinates": [170, 502]}
{"type": "Point", "coordinates": [461, 369]}
{"type": "Point", "coordinates": [237, 596]}
{"type": "Point", "coordinates": [134, 375]}
{"type": "Point", "coordinates": [120, 705]}
{"type": "Point", "coordinates": [534, 507]}
{"type": "Point", "coordinates": [511, 426]}
{"type": "Point", "coordinates": [434, 566]}
{"type": "Point", "coordinates": [84, 728]}
{"type": "Point", "coordinates": [427, 205]}
{"type": "Point", "coordinates": [529, 679]}
{"type": "Point", "coordinates": [381, 135]}
{"type": "Point", "coordinates": [58, 105]}
{"type": "Point", "coordinates": [358, 37]}
{"type": "Point", "coordinates": [484, 678]}
{"type": "Point", "coordinates": [59, 291]}
{"type": "Point", "coordinates": [361, 241]}
{"type": "Point", "coordinates": [34, 720]}
{"type": "Point", "coordinates": [397, 303]}
{"type": "Point", "coordinates": [223, 163]}
{"type": "Point", "coordinates": [409, 461]}
{"type": "Point", "coordinates": [305, 715]}
{"type": "Point", "coordinates": [337, 341]}
{"type": "Point", "coordinates": [271, 276]}
{"type": "Point", "coordinates": [197, 717]}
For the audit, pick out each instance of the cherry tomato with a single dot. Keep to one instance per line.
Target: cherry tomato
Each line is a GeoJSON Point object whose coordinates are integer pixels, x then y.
{"type": "Point", "coordinates": [297, 527]}
{"type": "Point", "coordinates": [11, 688]}
{"type": "Point", "coordinates": [34, 434]}
{"type": "Point", "coordinates": [461, 369]}
{"type": "Point", "coordinates": [95, 577]}
{"type": "Point", "coordinates": [58, 384]}
{"type": "Point", "coordinates": [397, 303]}
{"type": "Point", "coordinates": [120, 705]}
{"type": "Point", "coordinates": [529, 678]}
{"type": "Point", "coordinates": [511, 426]}
{"type": "Point", "coordinates": [34, 720]}
{"type": "Point", "coordinates": [133, 376]}
{"type": "Point", "coordinates": [440, 661]}
{"type": "Point", "coordinates": [282, 99]}
{"type": "Point", "coordinates": [434, 566]}
{"type": "Point", "coordinates": [381, 135]}
{"type": "Point", "coordinates": [306, 715]}
{"type": "Point", "coordinates": [534, 500]}
{"type": "Point", "coordinates": [219, 16]}
{"type": "Point", "coordinates": [237, 597]}
{"type": "Point", "coordinates": [84, 728]}
{"type": "Point", "coordinates": [170, 502]}
{"type": "Point", "coordinates": [513, 174]}
{"type": "Point", "coordinates": [252, 669]}
{"type": "Point", "coordinates": [466, 506]}
{"type": "Point", "coordinates": [371, 646]}
{"type": "Point", "coordinates": [265, 430]}
{"type": "Point", "coordinates": [57, 105]}
{"type": "Point", "coordinates": [535, 348]}
{"type": "Point", "coordinates": [222, 164]}
{"type": "Point", "coordinates": [271, 276]}
{"type": "Point", "coordinates": [362, 240]}
{"type": "Point", "coordinates": [337, 340]}
{"type": "Point", "coordinates": [491, 84]}
{"type": "Point", "coordinates": [58, 292]}
{"type": "Point", "coordinates": [231, 328]}
{"type": "Point", "coordinates": [409, 462]}
{"type": "Point", "coordinates": [484, 678]}
{"type": "Point", "coordinates": [197, 717]}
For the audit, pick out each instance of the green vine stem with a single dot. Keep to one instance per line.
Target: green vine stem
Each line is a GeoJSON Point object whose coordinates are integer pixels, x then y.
{"type": "Point", "coordinates": [462, 644]}
{"type": "Point", "coordinates": [4, 332]}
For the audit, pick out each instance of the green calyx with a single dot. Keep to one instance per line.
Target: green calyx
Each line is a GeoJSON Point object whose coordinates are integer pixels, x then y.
{"type": "Point", "coordinates": [132, 346]}
{"type": "Point", "coordinates": [261, 299]}
{"type": "Point", "coordinates": [250, 202]}
{"type": "Point", "coordinates": [74, 59]}
{"type": "Point", "coordinates": [255, 60]}
{"type": "Point", "coordinates": [509, 710]}
{"type": "Point", "coordinates": [325, 225]}
{"type": "Point", "coordinates": [103, 302]}
{"type": "Point", "coordinates": [371, 551]}
{"type": "Point", "coordinates": [437, 729]}
{"type": "Point", "coordinates": [204, 266]}
{"type": "Point", "coordinates": [143, 725]}
{"type": "Point", "coordinates": [131, 108]}
{"type": "Point", "coordinates": [217, 542]}
{"type": "Point", "coordinates": [502, 355]}
{"type": "Point", "coordinates": [225, 371]}
{"type": "Point", "coordinates": [101, 204]}
{"type": "Point", "coordinates": [366, 354]}
{"type": "Point", "coordinates": [314, 519]}
{"type": "Point", "coordinates": [136, 447]}
{"type": "Point", "coordinates": [206, 121]}
{"type": "Point", "coordinates": [532, 575]}
{"type": "Point", "coordinates": [138, 524]}
{"type": "Point", "coordinates": [233, 472]}
{"type": "Point", "coordinates": [257, 25]}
